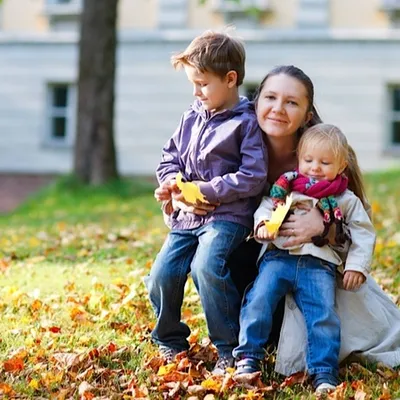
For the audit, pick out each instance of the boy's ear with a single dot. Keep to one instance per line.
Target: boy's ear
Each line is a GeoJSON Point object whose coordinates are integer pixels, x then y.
{"type": "Point", "coordinates": [231, 78]}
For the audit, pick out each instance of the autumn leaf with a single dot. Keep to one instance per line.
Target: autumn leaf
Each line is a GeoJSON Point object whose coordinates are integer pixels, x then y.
{"type": "Point", "coordinates": [6, 389]}
{"type": "Point", "coordinates": [14, 365]}
{"type": "Point", "coordinates": [166, 369]}
{"type": "Point", "coordinates": [297, 378]}
{"type": "Point", "coordinates": [54, 329]}
{"type": "Point", "coordinates": [212, 384]}
{"type": "Point", "coordinates": [190, 191]}
{"type": "Point", "coordinates": [278, 215]}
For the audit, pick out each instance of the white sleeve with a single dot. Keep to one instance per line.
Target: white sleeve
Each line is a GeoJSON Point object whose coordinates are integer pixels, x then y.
{"type": "Point", "coordinates": [359, 255]}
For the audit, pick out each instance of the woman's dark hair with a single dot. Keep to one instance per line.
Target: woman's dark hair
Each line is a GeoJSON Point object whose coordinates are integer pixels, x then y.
{"type": "Point", "coordinates": [297, 73]}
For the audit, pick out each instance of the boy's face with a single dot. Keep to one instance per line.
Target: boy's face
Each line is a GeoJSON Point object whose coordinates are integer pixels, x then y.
{"type": "Point", "coordinates": [320, 163]}
{"type": "Point", "coordinates": [214, 93]}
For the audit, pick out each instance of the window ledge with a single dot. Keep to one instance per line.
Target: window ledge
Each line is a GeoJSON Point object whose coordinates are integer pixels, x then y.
{"type": "Point", "coordinates": [53, 143]}
{"type": "Point", "coordinates": [61, 9]}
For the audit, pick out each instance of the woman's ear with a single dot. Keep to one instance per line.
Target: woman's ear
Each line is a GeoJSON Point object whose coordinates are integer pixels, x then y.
{"type": "Point", "coordinates": [231, 79]}
{"type": "Point", "coordinates": [309, 116]}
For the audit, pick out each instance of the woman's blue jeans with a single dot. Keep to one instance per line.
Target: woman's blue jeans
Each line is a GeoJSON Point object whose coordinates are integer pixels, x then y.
{"type": "Point", "coordinates": [312, 282]}
{"type": "Point", "coordinates": [203, 252]}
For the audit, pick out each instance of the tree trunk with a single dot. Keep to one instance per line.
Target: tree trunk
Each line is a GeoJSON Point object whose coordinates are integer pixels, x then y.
{"type": "Point", "coordinates": [95, 156]}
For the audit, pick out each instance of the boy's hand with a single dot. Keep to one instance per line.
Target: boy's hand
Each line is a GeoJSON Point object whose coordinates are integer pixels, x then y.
{"type": "Point", "coordinates": [352, 280]}
{"type": "Point", "coordinates": [263, 234]}
{"type": "Point", "coordinates": [163, 192]}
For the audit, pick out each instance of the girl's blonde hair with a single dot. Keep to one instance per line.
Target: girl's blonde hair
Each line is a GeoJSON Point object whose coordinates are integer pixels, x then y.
{"type": "Point", "coordinates": [332, 137]}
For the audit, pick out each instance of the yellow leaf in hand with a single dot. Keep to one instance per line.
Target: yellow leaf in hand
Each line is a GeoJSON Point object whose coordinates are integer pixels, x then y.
{"type": "Point", "coordinates": [278, 216]}
{"type": "Point", "coordinates": [189, 190]}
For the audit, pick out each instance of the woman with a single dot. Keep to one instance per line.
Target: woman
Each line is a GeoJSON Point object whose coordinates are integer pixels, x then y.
{"type": "Point", "coordinates": [370, 320]}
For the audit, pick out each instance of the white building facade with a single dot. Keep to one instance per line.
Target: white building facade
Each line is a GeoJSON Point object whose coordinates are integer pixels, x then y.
{"type": "Point", "coordinates": [355, 70]}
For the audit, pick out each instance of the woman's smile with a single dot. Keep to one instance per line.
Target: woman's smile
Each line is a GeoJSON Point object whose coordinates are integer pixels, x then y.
{"type": "Point", "coordinates": [276, 120]}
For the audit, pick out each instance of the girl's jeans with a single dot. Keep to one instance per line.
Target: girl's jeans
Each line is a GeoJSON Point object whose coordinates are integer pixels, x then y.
{"type": "Point", "coordinates": [312, 282]}
{"type": "Point", "coordinates": [202, 251]}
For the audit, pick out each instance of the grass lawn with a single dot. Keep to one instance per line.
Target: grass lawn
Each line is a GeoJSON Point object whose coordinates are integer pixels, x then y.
{"type": "Point", "coordinates": [75, 320]}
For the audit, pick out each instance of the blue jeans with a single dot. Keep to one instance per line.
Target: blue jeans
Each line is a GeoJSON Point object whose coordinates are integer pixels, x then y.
{"type": "Point", "coordinates": [203, 252]}
{"type": "Point", "coordinates": [312, 282]}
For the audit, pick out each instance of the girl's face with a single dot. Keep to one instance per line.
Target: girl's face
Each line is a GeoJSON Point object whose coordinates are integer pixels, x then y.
{"type": "Point", "coordinates": [282, 107]}
{"type": "Point", "coordinates": [319, 162]}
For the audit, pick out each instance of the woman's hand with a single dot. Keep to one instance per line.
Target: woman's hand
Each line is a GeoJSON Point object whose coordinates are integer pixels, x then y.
{"type": "Point", "coordinates": [301, 228]}
{"type": "Point", "coordinates": [178, 202]}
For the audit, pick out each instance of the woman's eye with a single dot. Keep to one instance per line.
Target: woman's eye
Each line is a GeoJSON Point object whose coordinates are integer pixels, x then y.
{"type": "Point", "coordinates": [269, 97]}
{"type": "Point", "coordinates": [293, 103]}
{"type": "Point", "coordinates": [325, 163]}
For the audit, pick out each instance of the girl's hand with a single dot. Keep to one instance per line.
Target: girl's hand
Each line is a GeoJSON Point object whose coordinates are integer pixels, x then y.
{"type": "Point", "coordinates": [352, 280]}
{"type": "Point", "coordinates": [301, 228]}
{"type": "Point", "coordinates": [263, 233]}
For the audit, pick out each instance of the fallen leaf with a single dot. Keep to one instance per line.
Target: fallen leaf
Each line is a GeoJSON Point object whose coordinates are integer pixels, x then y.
{"type": "Point", "coordinates": [14, 365]}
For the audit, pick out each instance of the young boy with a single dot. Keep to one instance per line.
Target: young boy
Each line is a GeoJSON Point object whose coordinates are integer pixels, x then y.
{"type": "Point", "coordinates": [219, 146]}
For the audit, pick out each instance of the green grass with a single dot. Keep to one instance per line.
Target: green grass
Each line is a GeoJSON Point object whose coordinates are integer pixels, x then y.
{"type": "Point", "coordinates": [72, 260]}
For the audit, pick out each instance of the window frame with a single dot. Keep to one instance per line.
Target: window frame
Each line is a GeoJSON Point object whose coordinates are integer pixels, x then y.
{"type": "Point", "coordinates": [69, 112]}
{"type": "Point", "coordinates": [391, 148]}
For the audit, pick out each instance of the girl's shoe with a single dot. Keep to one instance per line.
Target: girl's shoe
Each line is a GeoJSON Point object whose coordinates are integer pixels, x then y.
{"type": "Point", "coordinates": [247, 365]}
{"type": "Point", "coordinates": [324, 388]}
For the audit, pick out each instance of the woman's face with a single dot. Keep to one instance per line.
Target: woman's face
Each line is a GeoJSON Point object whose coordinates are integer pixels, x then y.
{"type": "Point", "coordinates": [282, 107]}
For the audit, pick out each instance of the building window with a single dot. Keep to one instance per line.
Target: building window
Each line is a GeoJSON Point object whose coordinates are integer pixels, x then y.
{"type": "Point", "coordinates": [242, 13]}
{"type": "Point", "coordinates": [395, 119]}
{"type": "Point", "coordinates": [392, 8]}
{"type": "Point", "coordinates": [60, 113]}
{"type": "Point", "coordinates": [63, 15]}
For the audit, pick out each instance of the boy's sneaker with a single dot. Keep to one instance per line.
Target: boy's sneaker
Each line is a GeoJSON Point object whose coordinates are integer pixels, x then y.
{"type": "Point", "coordinates": [325, 388]}
{"type": "Point", "coordinates": [169, 353]}
{"type": "Point", "coordinates": [222, 364]}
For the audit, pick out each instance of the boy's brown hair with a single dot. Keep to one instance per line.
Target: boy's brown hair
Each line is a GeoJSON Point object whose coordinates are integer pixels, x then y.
{"type": "Point", "coordinates": [214, 52]}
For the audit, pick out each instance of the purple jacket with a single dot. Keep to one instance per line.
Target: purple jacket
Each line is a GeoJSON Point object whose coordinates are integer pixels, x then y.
{"type": "Point", "coordinates": [227, 152]}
